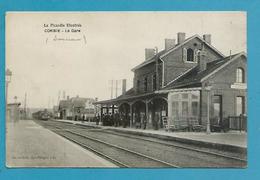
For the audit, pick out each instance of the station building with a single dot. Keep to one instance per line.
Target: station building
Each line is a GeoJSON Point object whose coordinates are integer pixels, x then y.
{"type": "Point", "coordinates": [76, 108]}
{"type": "Point", "coordinates": [188, 83]}
{"type": "Point", "coordinates": [13, 112]}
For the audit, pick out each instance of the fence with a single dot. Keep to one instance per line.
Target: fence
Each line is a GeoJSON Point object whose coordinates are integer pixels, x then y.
{"type": "Point", "coordinates": [237, 123]}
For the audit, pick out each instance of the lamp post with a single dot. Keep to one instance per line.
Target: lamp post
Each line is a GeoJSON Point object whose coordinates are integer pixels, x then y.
{"type": "Point", "coordinates": [8, 76]}
{"type": "Point", "coordinates": [15, 99]}
{"type": "Point", "coordinates": [208, 88]}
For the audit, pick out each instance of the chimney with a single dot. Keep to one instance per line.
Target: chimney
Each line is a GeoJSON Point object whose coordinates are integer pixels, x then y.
{"type": "Point", "coordinates": [207, 38]}
{"type": "Point", "coordinates": [202, 61]}
{"type": "Point", "coordinates": [68, 97]}
{"type": "Point", "coordinates": [169, 43]}
{"type": "Point", "coordinates": [123, 86]}
{"type": "Point", "coordinates": [149, 52]}
{"type": "Point", "coordinates": [181, 37]}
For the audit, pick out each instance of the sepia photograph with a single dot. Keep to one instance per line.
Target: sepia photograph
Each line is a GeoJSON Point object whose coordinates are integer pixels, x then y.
{"type": "Point", "coordinates": [139, 89]}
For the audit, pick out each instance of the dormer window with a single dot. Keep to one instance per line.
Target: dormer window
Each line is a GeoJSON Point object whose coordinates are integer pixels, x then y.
{"type": "Point", "coordinates": [240, 75]}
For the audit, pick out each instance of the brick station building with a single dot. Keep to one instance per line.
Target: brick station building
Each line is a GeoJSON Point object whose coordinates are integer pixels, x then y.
{"type": "Point", "coordinates": [76, 108]}
{"type": "Point", "coordinates": [188, 83]}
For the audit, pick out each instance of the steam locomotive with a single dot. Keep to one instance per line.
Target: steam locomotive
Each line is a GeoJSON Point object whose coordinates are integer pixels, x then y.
{"type": "Point", "coordinates": [42, 115]}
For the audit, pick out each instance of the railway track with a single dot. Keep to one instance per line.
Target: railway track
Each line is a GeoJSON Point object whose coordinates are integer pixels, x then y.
{"type": "Point", "coordinates": [121, 156]}
{"type": "Point", "coordinates": [68, 127]}
{"type": "Point", "coordinates": [217, 154]}
{"type": "Point", "coordinates": [183, 147]}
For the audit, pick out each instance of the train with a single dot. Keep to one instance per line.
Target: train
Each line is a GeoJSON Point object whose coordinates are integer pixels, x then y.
{"type": "Point", "coordinates": [42, 115]}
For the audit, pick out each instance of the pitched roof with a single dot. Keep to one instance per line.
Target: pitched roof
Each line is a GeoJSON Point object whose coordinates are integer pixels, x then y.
{"type": "Point", "coordinates": [164, 53]}
{"type": "Point", "coordinates": [79, 103]}
{"type": "Point", "coordinates": [194, 77]}
{"type": "Point", "coordinates": [130, 94]}
{"type": "Point", "coordinates": [13, 104]}
{"type": "Point", "coordinates": [75, 102]}
{"type": "Point", "coordinates": [55, 108]}
{"type": "Point", "coordinates": [148, 61]}
{"type": "Point", "coordinates": [64, 104]}
{"type": "Point", "coordinates": [187, 40]}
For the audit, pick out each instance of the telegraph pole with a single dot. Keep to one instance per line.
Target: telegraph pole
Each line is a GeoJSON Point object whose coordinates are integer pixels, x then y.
{"type": "Point", "coordinates": [49, 101]}
{"type": "Point", "coordinates": [25, 101]}
{"type": "Point", "coordinates": [64, 95]}
{"type": "Point", "coordinates": [58, 98]}
{"type": "Point", "coordinates": [112, 83]}
{"type": "Point", "coordinates": [53, 103]}
{"type": "Point", "coordinates": [156, 70]}
{"type": "Point", "coordinates": [116, 88]}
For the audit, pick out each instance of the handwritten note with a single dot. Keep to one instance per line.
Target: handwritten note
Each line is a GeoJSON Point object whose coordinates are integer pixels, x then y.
{"type": "Point", "coordinates": [69, 32]}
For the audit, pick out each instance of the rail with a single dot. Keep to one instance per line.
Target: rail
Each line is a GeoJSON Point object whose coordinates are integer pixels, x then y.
{"type": "Point", "coordinates": [198, 150]}
{"type": "Point", "coordinates": [63, 132]}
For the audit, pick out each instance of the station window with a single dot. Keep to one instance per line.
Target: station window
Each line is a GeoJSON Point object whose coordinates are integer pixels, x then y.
{"type": "Point", "coordinates": [190, 55]}
{"type": "Point", "coordinates": [138, 85]}
{"type": "Point", "coordinates": [194, 96]}
{"type": "Point", "coordinates": [195, 108]}
{"type": "Point", "coordinates": [240, 105]}
{"type": "Point", "coordinates": [154, 82]}
{"type": "Point", "coordinates": [145, 85]}
{"type": "Point", "coordinates": [175, 109]}
{"type": "Point", "coordinates": [217, 108]}
{"type": "Point", "coordinates": [240, 75]}
{"type": "Point", "coordinates": [185, 111]}
{"type": "Point", "coordinates": [184, 96]}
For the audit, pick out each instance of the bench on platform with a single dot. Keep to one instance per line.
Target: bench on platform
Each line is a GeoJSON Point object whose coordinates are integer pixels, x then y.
{"type": "Point", "coordinates": [186, 124]}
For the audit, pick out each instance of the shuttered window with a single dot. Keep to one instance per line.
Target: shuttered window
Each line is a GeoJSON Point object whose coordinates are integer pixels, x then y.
{"type": "Point", "coordinates": [184, 54]}
{"type": "Point", "coordinates": [195, 55]}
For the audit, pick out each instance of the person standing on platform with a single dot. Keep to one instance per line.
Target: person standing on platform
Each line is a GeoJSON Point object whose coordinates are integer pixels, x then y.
{"type": "Point", "coordinates": [144, 121]}
{"type": "Point", "coordinates": [116, 117]}
{"type": "Point", "coordinates": [97, 119]}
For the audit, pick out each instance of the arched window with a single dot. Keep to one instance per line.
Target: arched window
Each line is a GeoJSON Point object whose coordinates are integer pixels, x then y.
{"type": "Point", "coordinates": [190, 55]}
{"type": "Point", "coordinates": [240, 75]}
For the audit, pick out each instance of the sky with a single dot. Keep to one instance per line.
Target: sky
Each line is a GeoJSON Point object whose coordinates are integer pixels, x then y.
{"type": "Point", "coordinates": [46, 64]}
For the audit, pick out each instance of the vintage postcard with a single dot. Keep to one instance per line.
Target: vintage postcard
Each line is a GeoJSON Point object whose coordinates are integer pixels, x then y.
{"type": "Point", "coordinates": [126, 89]}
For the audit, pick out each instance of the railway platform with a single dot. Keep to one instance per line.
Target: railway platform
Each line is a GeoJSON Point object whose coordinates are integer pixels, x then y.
{"type": "Point", "coordinates": [229, 140]}
{"type": "Point", "coordinates": [30, 145]}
